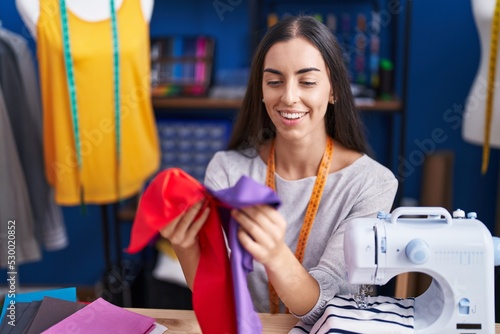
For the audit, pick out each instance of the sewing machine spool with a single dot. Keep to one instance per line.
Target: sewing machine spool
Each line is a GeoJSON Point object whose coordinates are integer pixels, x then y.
{"type": "Point", "coordinates": [458, 253]}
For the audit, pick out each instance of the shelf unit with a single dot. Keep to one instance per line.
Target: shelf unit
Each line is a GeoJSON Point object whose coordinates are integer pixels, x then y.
{"type": "Point", "coordinates": [210, 103]}
{"type": "Point", "coordinates": [195, 103]}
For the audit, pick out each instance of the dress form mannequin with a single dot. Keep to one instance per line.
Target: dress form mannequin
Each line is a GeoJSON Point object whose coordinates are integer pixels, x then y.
{"type": "Point", "coordinates": [42, 18]}
{"type": "Point", "coordinates": [88, 10]}
{"type": "Point", "coordinates": [475, 109]}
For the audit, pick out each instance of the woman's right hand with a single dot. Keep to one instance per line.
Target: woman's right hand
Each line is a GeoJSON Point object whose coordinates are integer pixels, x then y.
{"type": "Point", "coordinates": [183, 231]}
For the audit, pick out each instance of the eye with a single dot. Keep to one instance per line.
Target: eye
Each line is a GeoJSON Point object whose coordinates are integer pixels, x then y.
{"type": "Point", "coordinates": [273, 83]}
{"type": "Point", "coordinates": [308, 83]}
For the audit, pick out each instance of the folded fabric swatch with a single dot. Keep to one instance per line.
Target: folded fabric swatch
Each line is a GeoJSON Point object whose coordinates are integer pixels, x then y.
{"type": "Point", "coordinates": [50, 312]}
{"type": "Point", "coordinates": [16, 322]}
{"type": "Point", "coordinates": [102, 317]}
{"type": "Point", "coordinates": [64, 293]}
{"type": "Point", "coordinates": [24, 321]}
{"type": "Point", "coordinates": [384, 315]}
{"type": "Point", "coordinates": [221, 300]}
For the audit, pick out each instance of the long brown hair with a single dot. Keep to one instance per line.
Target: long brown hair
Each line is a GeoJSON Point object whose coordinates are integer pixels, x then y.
{"type": "Point", "coordinates": [253, 127]}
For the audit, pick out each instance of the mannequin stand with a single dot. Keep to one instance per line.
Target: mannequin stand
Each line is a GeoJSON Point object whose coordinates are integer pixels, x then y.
{"type": "Point", "coordinates": [115, 286]}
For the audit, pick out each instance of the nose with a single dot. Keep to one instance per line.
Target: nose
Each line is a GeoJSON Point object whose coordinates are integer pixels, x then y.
{"type": "Point", "coordinates": [290, 95]}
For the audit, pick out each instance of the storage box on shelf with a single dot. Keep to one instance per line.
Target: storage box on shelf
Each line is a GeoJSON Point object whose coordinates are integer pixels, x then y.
{"type": "Point", "coordinates": [181, 65]}
{"type": "Point", "coordinates": [190, 144]}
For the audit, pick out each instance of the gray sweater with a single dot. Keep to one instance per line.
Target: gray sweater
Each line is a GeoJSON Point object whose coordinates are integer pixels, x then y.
{"type": "Point", "coordinates": [359, 190]}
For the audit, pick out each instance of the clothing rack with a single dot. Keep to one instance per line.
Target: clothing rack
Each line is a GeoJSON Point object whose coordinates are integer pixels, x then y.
{"type": "Point", "coordinates": [30, 198]}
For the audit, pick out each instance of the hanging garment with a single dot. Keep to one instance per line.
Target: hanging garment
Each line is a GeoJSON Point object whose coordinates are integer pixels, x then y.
{"type": "Point", "coordinates": [220, 293]}
{"type": "Point", "coordinates": [15, 207]}
{"type": "Point", "coordinates": [19, 83]}
{"type": "Point", "coordinates": [384, 315]}
{"type": "Point", "coordinates": [102, 179]}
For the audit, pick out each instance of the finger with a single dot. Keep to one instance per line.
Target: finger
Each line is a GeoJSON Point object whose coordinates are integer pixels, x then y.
{"type": "Point", "coordinates": [190, 214]}
{"type": "Point", "coordinates": [268, 218]}
{"type": "Point", "coordinates": [196, 226]}
{"type": "Point", "coordinates": [249, 244]}
{"type": "Point", "coordinates": [172, 228]}
{"type": "Point", "coordinates": [261, 213]}
{"type": "Point", "coordinates": [252, 227]}
{"type": "Point", "coordinates": [180, 235]}
{"type": "Point", "coordinates": [169, 229]}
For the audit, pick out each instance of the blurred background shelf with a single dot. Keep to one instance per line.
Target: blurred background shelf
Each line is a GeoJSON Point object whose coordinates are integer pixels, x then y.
{"type": "Point", "coordinates": [195, 103]}
{"type": "Point", "coordinates": [211, 103]}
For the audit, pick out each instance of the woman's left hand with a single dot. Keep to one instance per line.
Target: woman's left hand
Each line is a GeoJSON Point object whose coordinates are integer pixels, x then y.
{"type": "Point", "coordinates": [262, 232]}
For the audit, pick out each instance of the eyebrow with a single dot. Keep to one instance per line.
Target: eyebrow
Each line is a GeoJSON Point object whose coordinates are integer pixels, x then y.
{"type": "Point", "coordinates": [301, 71]}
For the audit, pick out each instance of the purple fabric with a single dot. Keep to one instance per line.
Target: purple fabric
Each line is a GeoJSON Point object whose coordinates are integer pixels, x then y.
{"type": "Point", "coordinates": [246, 192]}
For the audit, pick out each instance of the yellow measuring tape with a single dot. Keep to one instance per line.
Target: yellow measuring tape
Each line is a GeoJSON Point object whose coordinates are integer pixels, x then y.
{"type": "Point", "coordinates": [490, 89]}
{"type": "Point", "coordinates": [312, 207]}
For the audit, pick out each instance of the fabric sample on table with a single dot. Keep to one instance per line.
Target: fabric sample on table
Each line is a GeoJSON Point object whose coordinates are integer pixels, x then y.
{"type": "Point", "coordinates": [102, 317]}
{"type": "Point", "coordinates": [65, 293]}
{"type": "Point", "coordinates": [24, 321]}
{"type": "Point", "coordinates": [384, 315]}
{"type": "Point", "coordinates": [50, 312]}
{"type": "Point", "coordinates": [20, 318]}
{"type": "Point", "coordinates": [171, 193]}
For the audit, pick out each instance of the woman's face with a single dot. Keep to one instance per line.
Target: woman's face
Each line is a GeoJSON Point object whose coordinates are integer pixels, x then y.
{"type": "Point", "coordinates": [296, 88]}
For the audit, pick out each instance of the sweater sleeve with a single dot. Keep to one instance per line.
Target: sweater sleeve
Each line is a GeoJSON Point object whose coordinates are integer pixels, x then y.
{"type": "Point", "coordinates": [331, 270]}
{"type": "Point", "coordinates": [217, 175]}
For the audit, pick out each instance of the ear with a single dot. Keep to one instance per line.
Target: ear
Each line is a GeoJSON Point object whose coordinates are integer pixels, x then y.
{"type": "Point", "coordinates": [332, 99]}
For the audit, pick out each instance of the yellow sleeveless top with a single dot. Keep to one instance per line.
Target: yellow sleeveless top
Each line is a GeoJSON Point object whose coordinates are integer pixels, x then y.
{"type": "Point", "coordinates": [91, 47]}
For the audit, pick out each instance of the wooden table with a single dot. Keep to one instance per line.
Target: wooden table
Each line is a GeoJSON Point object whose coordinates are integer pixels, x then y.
{"type": "Point", "coordinates": [180, 321]}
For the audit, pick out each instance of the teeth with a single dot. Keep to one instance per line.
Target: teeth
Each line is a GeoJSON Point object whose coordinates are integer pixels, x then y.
{"type": "Point", "coordinates": [292, 115]}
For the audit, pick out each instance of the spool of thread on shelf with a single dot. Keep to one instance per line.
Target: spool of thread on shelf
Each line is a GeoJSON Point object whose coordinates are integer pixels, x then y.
{"type": "Point", "coordinates": [386, 79]}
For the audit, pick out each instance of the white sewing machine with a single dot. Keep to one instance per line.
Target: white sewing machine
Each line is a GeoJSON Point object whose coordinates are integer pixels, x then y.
{"type": "Point", "coordinates": [457, 253]}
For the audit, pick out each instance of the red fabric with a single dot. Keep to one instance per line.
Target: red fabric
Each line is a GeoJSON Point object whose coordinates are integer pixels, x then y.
{"type": "Point", "coordinates": [170, 194]}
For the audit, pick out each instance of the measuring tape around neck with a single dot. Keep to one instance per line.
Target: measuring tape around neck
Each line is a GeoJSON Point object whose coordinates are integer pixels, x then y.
{"type": "Point", "coordinates": [490, 89]}
{"type": "Point", "coordinates": [70, 77]}
{"type": "Point", "coordinates": [312, 207]}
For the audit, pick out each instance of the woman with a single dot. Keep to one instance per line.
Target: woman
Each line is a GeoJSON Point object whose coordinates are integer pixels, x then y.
{"type": "Point", "coordinates": [300, 133]}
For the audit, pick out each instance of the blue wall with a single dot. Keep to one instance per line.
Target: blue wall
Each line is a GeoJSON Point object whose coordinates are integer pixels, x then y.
{"type": "Point", "coordinates": [443, 61]}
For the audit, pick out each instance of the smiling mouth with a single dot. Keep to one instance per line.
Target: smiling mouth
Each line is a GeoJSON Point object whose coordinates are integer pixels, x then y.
{"type": "Point", "coordinates": [292, 115]}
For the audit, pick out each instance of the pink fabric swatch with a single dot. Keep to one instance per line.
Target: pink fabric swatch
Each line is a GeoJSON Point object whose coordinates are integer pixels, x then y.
{"type": "Point", "coordinates": [102, 317]}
